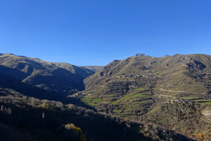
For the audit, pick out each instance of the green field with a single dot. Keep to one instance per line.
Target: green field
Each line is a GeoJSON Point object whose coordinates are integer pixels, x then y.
{"type": "Point", "coordinates": [142, 95]}
{"type": "Point", "coordinates": [206, 103]}
{"type": "Point", "coordinates": [199, 100]}
{"type": "Point", "coordinates": [96, 100]}
{"type": "Point", "coordinates": [90, 104]}
{"type": "Point", "coordinates": [132, 97]}
{"type": "Point", "coordinates": [190, 98]}
{"type": "Point", "coordinates": [90, 101]}
{"type": "Point", "coordinates": [140, 89]}
{"type": "Point", "coordinates": [87, 99]}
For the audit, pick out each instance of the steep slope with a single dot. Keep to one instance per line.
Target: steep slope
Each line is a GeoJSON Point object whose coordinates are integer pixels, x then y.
{"type": "Point", "coordinates": [60, 78]}
{"type": "Point", "coordinates": [179, 72]}
{"type": "Point", "coordinates": [176, 76]}
{"type": "Point", "coordinates": [141, 87]}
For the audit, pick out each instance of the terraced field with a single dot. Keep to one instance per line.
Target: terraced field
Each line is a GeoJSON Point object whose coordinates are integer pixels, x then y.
{"type": "Point", "coordinates": [199, 100]}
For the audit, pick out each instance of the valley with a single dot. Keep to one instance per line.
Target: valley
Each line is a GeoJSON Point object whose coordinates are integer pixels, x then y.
{"type": "Point", "coordinates": [139, 98]}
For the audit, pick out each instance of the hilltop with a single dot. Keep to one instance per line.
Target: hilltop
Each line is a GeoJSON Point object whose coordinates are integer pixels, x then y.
{"type": "Point", "coordinates": [180, 72]}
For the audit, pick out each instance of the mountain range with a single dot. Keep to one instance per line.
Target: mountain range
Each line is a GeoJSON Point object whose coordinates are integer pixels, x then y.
{"type": "Point", "coordinates": [142, 97]}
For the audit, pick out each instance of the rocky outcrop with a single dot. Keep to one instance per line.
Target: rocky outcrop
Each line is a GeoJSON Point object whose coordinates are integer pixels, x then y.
{"type": "Point", "coordinates": [207, 112]}
{"type": "Point", "coordinates": [139, 54]}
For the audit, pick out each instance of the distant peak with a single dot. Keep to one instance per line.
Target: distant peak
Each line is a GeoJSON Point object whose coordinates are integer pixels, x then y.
{"type": "Point", "coordinates": [140, 54]}
{"type": "Point", "coordinates": [9, 54]}
{"type": "Point", "coordinates": [166, 56]}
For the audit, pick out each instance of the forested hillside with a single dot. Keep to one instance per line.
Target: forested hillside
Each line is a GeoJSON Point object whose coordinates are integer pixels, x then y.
{"type": "Point", "coordinates": [28, 118]}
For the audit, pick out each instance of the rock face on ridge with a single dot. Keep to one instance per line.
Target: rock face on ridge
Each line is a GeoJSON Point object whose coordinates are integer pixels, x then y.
{"type": "Point", "coordinates": [139, 54]}
{"type": "Point", "coordinates": [166, 55]}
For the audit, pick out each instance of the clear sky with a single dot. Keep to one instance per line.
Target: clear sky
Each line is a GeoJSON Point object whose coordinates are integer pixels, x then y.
{"type": "Point", "coordinates": [95, 32]}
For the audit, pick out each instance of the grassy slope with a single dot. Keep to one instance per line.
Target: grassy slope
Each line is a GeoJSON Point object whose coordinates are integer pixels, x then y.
{"type": "Point", "coordinates": [181, 76]}
{"type": "Point", "coordinates": [171, 74]}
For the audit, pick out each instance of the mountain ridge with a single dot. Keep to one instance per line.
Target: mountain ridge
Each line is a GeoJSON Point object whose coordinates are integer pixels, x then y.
{"type": "Point", "coordinates": [155, 89]}
{"type": "Point", "coordinates": [61, 78]}
{"type": "Point", "coordinates": [172, 92]}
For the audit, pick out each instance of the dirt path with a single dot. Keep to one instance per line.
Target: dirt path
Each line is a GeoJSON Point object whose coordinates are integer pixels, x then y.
{"type": "Point", "coordinates": [179, 91]}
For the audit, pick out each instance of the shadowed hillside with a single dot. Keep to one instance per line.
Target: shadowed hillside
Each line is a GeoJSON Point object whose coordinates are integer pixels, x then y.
{"type": "Point", "coordinates": [93, 68]}
{"type": "Point", "coordinates": [27, 118]}
{"type": "Point", "coordinates": [59, 78]}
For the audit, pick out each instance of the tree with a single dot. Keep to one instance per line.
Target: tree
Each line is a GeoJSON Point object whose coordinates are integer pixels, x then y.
{"type": "Point", "coordinates": [2, 108]}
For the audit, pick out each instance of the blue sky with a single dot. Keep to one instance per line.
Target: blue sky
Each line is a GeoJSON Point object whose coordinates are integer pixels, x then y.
{"type": "Point", "coordinates": [95, 32]}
